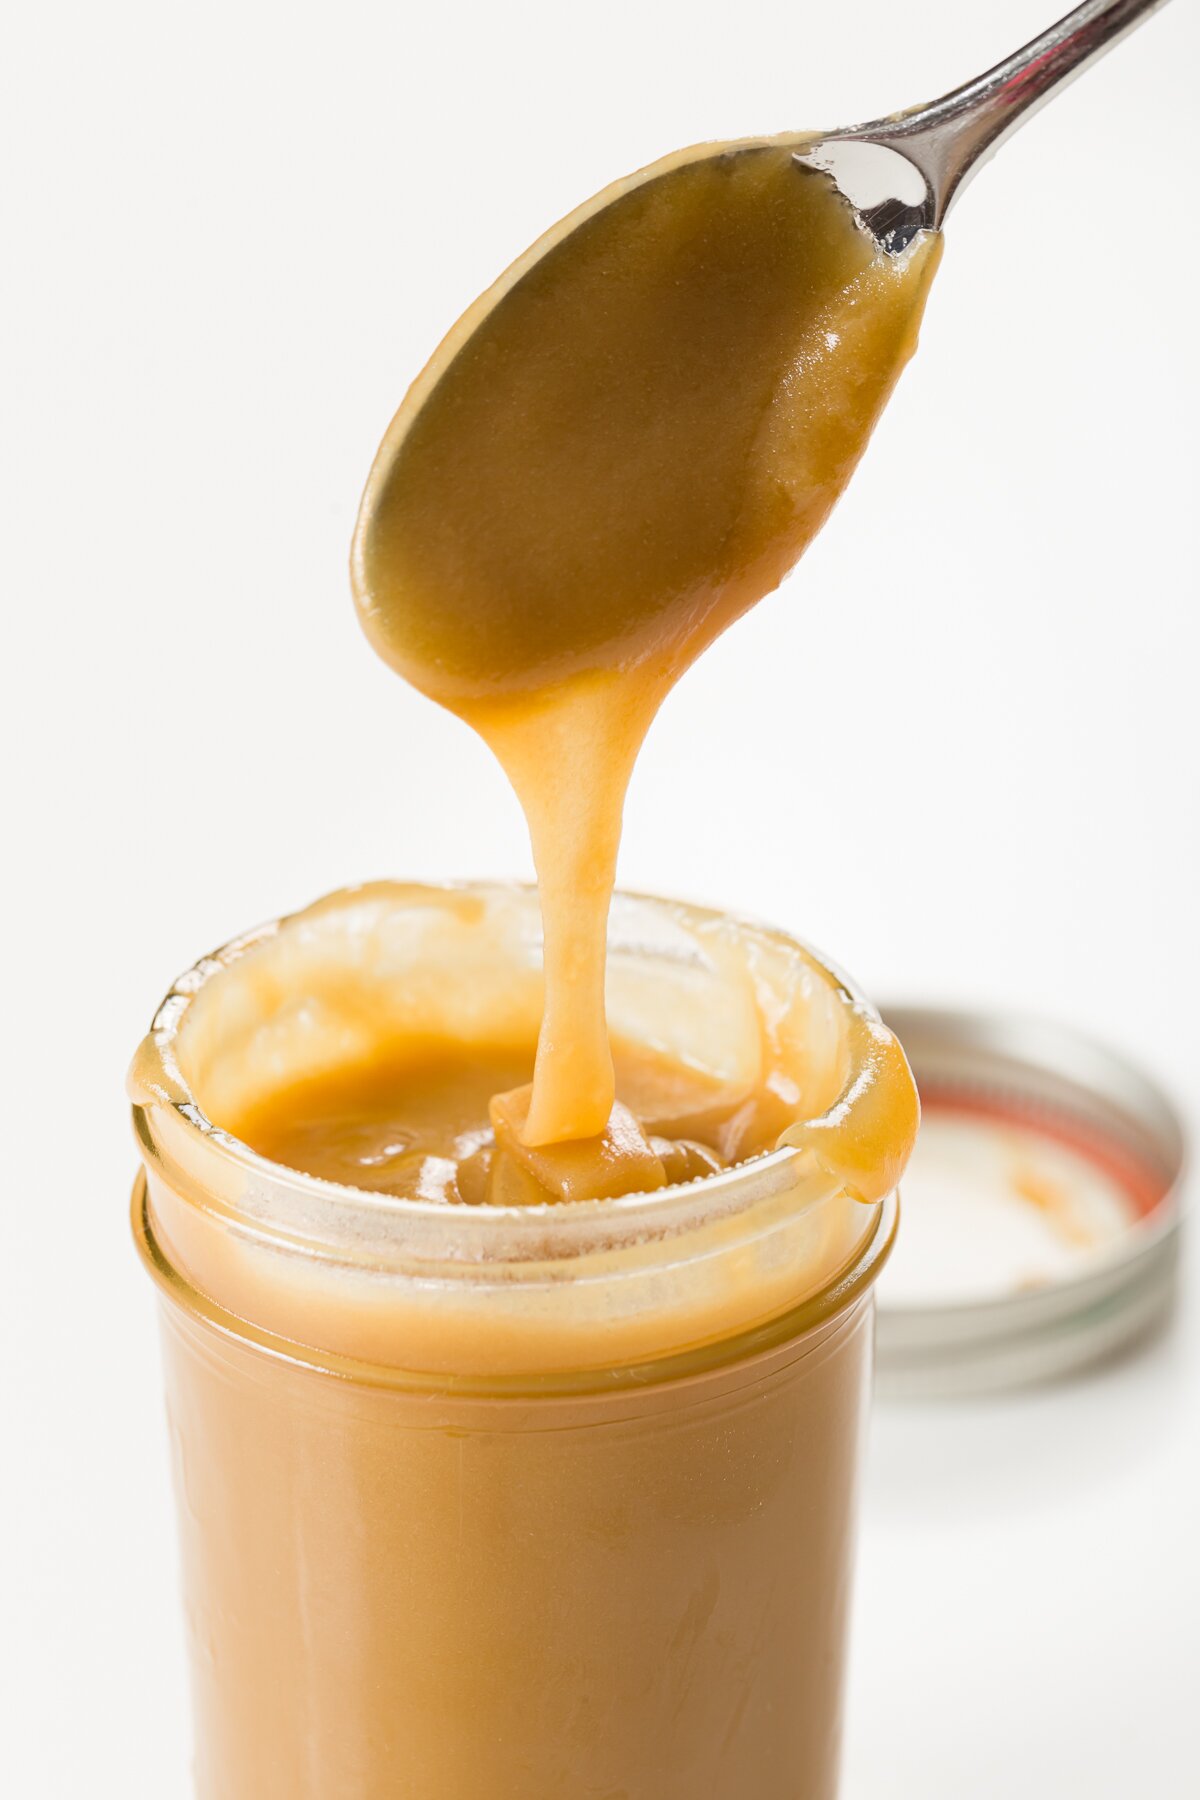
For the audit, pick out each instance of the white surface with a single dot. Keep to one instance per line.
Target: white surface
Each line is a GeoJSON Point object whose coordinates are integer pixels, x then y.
{"type": "Point", "coordinates": [958, 750]}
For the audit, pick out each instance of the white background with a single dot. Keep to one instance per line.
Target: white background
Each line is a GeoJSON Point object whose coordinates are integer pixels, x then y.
{"type": "Point", "coordinates": [958, 750]}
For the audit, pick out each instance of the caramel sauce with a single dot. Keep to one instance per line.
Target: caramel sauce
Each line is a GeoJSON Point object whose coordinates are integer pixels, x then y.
{"type": "Point", "coordinates": [621, 447]}
{"type": "Point", "coordinates": [432, 1120]}
{"type": "Point", "coordinates": [466, 1511]}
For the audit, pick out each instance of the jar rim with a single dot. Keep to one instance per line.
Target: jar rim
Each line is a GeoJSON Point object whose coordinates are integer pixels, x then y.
{"type": "Point", "coordinates": [310, 1213]}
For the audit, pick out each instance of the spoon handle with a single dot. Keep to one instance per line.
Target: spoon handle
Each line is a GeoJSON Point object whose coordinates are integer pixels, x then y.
{"type": "Point", "coordinates": [948, 139]}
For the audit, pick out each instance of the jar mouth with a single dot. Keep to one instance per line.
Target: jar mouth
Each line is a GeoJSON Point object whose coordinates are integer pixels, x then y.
{"type": "Point", "coordinates": [308, 1213]}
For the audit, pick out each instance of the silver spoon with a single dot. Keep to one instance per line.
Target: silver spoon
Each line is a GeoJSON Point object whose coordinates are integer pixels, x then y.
{"type": "Point", "coordinates": [901, 173]}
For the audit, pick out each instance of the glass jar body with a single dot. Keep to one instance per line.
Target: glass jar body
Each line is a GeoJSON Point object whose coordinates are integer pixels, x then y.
{"type": "Point", "coordinates": [412, 1593]}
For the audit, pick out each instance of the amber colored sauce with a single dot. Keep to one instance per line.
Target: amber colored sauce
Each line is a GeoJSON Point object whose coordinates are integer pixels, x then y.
{"type": "Point", "coordinates": [470, 1527]}
{"type": "Point", "coordinates": [623, 445]}
{"type": "Point", "coordinates": [432, 1119]}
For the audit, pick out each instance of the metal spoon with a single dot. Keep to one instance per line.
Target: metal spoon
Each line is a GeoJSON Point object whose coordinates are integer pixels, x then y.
{"type": "Point", "coordinates": [901, 173]}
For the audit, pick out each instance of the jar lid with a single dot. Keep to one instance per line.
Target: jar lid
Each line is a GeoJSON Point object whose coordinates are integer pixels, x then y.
{"type": "Point", "coordinates": [1040, 1213]}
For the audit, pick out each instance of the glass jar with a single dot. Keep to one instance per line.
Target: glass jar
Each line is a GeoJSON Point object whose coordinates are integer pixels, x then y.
{"type": "Point", "coordinates": [515, 1502]}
